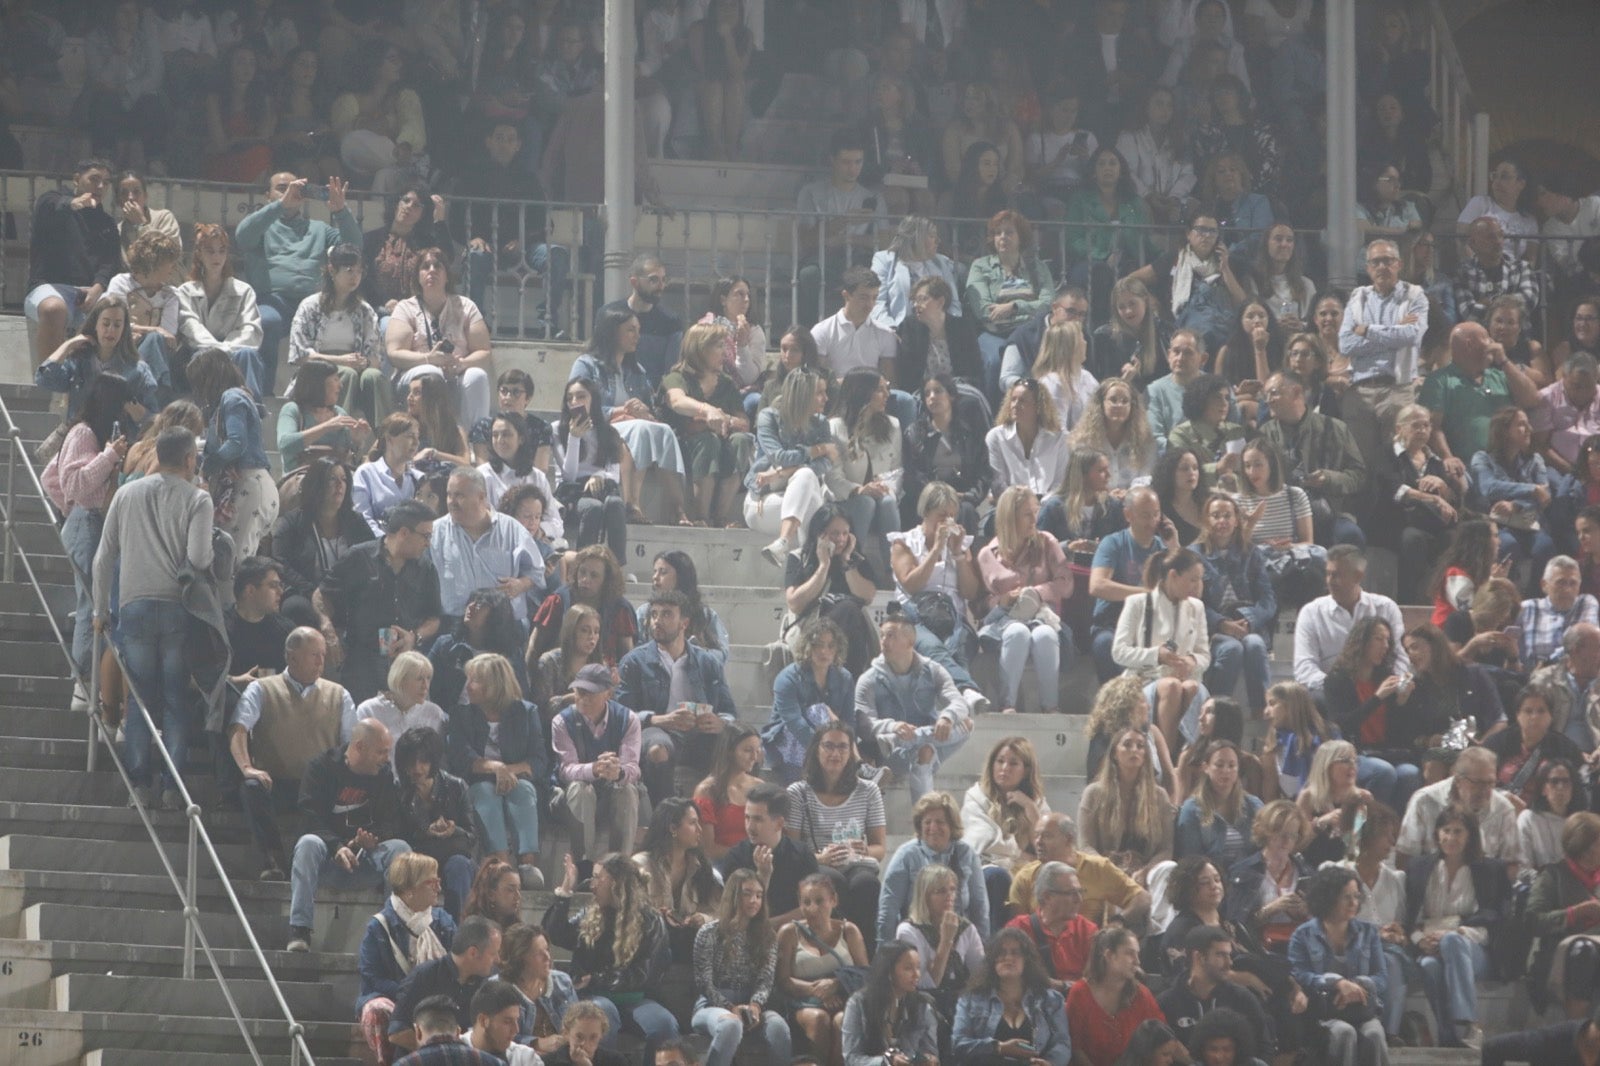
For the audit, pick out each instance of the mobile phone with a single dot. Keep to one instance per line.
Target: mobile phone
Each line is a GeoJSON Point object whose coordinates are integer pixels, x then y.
{"type": "Point", "coordinates": [870, 203]}
{"type": "Point", "coordinates": [116, 430]}
{"type": "Point", "coordinates": [447, 347]}
{"type": "Point", "coordinates": [315, 192]}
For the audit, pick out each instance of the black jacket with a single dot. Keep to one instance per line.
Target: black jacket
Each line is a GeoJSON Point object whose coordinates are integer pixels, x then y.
{"type": "Point", "coordinates": [1555, 745]}
{"type": "Point", "coordinates": [919, 446]}
{"type": "Point", "coordinates": [449, 801]}
{"type": "Point", "coordinates": [522, 739]}
{"type": "Point", "coordinates": [72, 247]}
{"type": "Point", "coordinates": [337, 801]}
{"type": "Point", "coordinates": [294, 546]}
{"type": "Point", "coordinates": [1243, 898]}
{"type": "Point", "coordinates": [596, 961]}
{"type": "Point", "coordinates": [1184, 1010]}
{"type": "Point", "coordinates": [911, 359]}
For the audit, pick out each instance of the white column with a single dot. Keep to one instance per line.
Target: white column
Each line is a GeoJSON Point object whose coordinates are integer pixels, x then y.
{"type": "Point", "coordinates": [1344, 244]}
{"type": "Point", "coordinates": [620, 146]}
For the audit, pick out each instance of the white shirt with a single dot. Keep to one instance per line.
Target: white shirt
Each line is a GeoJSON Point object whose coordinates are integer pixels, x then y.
{"type": "Point", "coordinates": [1389, 346]}
{"type": "Point", "coordinates": [1586, 224]}
{"type": "Point", "coordinates": [1156, 168]}
{"type": "Point", "coordinates": [1539, 839]}
{"type": "Point", "coordinates": [845, 346]}
{"type": "Point", "coordinates": [1043, 471]}
{"type": "Point", "coordinates": [1320, 630]}
{"type": "Point", "coordinates": [1446, 900]}
{"type": "Point", "coordinates": [1385, 902]}
{"type": "Point", "coordinates": [1070, 408]}
{"type": "Point", "coordinates": [1499, 826]}
{"type": "Point", "coordinates": [943, 578]}
{"type": "Point", "coordinates": [466, 564]}
{"type": "Point", "coordinates": [502, 482]}
{"type": "Point", "coordinates": [1512, 223]}
{"type": "Point", "coordinates": [382, 707]}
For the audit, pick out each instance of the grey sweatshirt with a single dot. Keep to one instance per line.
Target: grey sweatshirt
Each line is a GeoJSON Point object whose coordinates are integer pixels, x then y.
{"type": "Point", "coordinates": [159, 527]}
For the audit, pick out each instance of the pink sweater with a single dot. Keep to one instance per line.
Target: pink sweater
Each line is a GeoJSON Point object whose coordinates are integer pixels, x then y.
{"type": "Point", "coordinates": [1051, 575]}
{"type": "Point", "coordinates": [88, 472]}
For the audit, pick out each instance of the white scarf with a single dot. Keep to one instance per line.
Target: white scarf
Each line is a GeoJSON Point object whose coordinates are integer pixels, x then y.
{"type": "Point", "coordinates": [425, 945]}
{"type": "Point", "coordinates": [1184, 269]}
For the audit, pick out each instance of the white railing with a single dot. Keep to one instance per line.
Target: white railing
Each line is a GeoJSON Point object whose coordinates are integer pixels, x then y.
{"type": "Point", "coordinates": [1463, 125]}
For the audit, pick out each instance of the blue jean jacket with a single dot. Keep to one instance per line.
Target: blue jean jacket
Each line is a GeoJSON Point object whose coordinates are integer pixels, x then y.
{"type": "Point", "coordinates": [796, 689]}
{"type": "Point", "coordinates": [778, 448]}
{"type": "Point", "coordinates": [646, 683]}
{"type": "Point", "coordinates": [1246, 571]}
{"type": "Point", "coordinates": [235, 435]}
{"type": "Point", "coordinates": [1312, 962]}
{"type": "Point", "coordinates": [978, 1015]}
{"type": "Point", "coordinates": [900, 877]}
{"type": "Point", "coordinates": [379, 969]}
{"type": "Point", "coordinates": [1194, 838]}
{"type": "Point", "coordinates": [558, 996]}
{"type": "Point", "coordinates": [74, 374]}
{"type": "Point", "coordinates": [617, 387]}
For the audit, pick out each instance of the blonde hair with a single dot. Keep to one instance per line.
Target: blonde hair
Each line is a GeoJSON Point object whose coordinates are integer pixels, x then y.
{"type": "Point", "coordinates": [1015, 550]}
{"type": "Point", "coordinates": [1011, 817]}
{"type": "Point", "coordinates": [699, 340]}
{"type": "Point", "coordinates": [1318, 789]}
{"type": "Point", "coordinates": [1110, 821]}
{"type": "Point", "coordinates": [941, 802]}
{"type": "Point", "coordinates": [1150, 351]}
{"type": "Point", "coordinates": [1062, 352]}
{"type": "Point", "coordinates": [1114, 704]}
{"type": "Point", "coordinates": [407, 666]}
{"type": "Point", "coordinates": [1305, 721]}
{"type": "Point", "coordinates": [1091, 428]}
{"type": "Point", "coordinates": [929, 878]}
{"type": "Point", "coordinates": [410, 869]}
{"type": "Point", "coordinates": [494, 673]}
{"type": "Point", "coordinates": [1042, 404]}
{"type": "Point", "coordinates": [1277, 817]}
{"type": "Point", "coordinates": [632, 904]}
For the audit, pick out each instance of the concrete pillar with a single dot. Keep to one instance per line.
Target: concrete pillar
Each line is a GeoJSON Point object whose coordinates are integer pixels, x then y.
{"type": "Point", "coordinates": [1344, 242]}
{"type": "Point", "coordinates": [619, 145]}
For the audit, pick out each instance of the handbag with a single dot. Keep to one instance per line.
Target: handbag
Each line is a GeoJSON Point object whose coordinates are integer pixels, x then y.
{"type": "Point", "coordinates": [786, 747]}
{"type": "Point", "coordinates": [852, 979]}
{"type": "Point", "coordinates": [935, 612]}
{"type": "Point", "coordinates": [1354, 1014]}
{"type": "Point", "coordinates": [1299, 574]}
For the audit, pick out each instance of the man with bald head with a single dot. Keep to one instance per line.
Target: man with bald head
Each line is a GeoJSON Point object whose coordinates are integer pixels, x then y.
{"type": "Point", "coordinates": [1490, 271]}
{"type": "Point", "coordinates": [1381, 335]}
{"type": "Point", "coordinates": [351, 806]}
{"type": "Point", "coordinates": [1118, 569]}
{"type": "Point", "coordinates": [1569, 682]}
{"type": "Point", "coordinates": [1464, 396]}
{"type": "Point", "coordinates": [280, 725]}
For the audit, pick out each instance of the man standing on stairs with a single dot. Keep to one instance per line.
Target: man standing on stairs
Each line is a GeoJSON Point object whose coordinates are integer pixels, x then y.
{"type": "Point", "coordinates": [282, 723]}
{"type": "Point", "coordinates": [351, 806]}
{"type": "Point", "coordinates": [680, 694]}
{"type": "Point", "coordinates": [659, 329]}
{"type": "Point", "coordinates": [161, 525]}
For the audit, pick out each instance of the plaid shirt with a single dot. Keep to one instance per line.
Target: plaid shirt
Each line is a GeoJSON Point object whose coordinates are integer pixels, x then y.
{"type": "Point", "coordinates": [1543, 626]}
{"type": "Point", "coordinates": [1475, 288]}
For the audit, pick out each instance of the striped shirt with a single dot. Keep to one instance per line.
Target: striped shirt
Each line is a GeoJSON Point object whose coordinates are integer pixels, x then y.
{"type": "Point", "coordinates": [1284, 508]}
{"type": "Point", "coordinates": [815, 821]}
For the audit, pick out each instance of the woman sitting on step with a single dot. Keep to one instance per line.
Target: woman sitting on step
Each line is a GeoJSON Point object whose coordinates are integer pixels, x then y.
{"type": "Point", "coordinates": [410, 930]}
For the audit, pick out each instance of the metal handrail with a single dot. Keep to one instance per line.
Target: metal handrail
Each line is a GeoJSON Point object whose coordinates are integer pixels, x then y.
{"type": "Point", "coordinates": [187, 888]}
{"type": "Point", "coordinates": [1464, 126]}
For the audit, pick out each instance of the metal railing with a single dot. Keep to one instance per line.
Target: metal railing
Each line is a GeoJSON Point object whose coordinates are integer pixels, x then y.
{"type": "Point", "coordinates": [1463, 127]}
{"type": "Point", "coordinates": [186, 886]}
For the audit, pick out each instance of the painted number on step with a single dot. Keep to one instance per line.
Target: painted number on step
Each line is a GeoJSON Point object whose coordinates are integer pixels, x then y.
{"type": "Point", "coordinates": [1061, 740]}
{"type": "Point", "coordinates": [30, 1038]}
{"type": "Point", "coordinates": [737, 554]}
{"type": "Point", "coordinates": [7, 968]}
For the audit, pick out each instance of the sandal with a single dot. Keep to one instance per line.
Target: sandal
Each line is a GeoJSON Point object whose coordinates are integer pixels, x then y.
{"type": "Point", "coordinates": [685, 520]}
{"type": "Point", "coordinates": [636, 517]}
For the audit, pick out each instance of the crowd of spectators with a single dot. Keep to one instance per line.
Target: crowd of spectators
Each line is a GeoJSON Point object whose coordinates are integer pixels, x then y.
{"type": "Point", "coordinates": [411, 645]}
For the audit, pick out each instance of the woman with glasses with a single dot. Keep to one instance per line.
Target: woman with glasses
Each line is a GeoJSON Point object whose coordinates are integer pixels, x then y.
{"type": "Point", "coordinates": [839, 816]}
{"type": "Point", "coordinates": [1557, 793]}
{"type": "Point", "coordinates": [1331, 801]}
{"type": "Point", "coordinates": [1196, 285]}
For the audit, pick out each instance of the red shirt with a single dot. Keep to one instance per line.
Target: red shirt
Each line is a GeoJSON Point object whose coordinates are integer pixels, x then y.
{"type": "Point", "coordinates": [726, 821]}
{"type": "Point", "coordinates": [1097, 1036]}
{"type": "Point", "coordinates": [1375, 726]}
{"type": "Point", "coordinates": [1069, 950]}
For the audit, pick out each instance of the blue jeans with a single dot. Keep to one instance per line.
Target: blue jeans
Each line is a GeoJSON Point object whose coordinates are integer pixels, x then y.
{"type": "Point", "coordinates": [520, 805]}
{"type": "Point", "coordinates": [1534, 546]}
{"type": "Point", "coordinates": [647, 1017]}
{"type": "Point", "coordinates": [1100, 640]}
{"type": "Point", "coordinates": [992, 348]}
{"type": "Point", "coordinates": [1451, 981]}
{"type": "Point", "coordinates": [1394, 1003]}
{"type": "Point", "coordinates": [154, 353]}
{"type": "Point", "coordinates": [248, 360]}
{"type": "Point", "coordinates": [153, 634]}
{"type": "Point", "coordinates": [952, 654]}
{"type": "Point", "coordinates": [276, 315]}
{"type": "Point", "coordinates": [904, 407]}
{"type": "Point", "coordinates": [1018, 644]}
{"type": "Point", "coordinates": [314, 863]}
{"type": "Point", "coordinates": [726, 1030]}
{"type": "Point", "coordinates": [903, 759]}
{"type": "Point", "coordinates": [1231, 657]}
{"type": "Point", "coordinates": [457, 872]}
{"type": "Point", "coordinates": [80, 535]}
{"type": "Point", "coordinates": [1390, 784]}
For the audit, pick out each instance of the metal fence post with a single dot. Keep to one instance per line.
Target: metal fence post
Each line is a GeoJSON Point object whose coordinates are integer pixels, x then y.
{"type": "Point", "coordinates": [10, 567]}
{"type": "Point", "coordinates": [191, 910]}
{"type": "Point", "coordinates": [94, 700]}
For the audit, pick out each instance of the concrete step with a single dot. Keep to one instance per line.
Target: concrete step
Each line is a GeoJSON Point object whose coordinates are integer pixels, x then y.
{"type": "Point", "coordinates": [18, 602]}
{"type": "Point", "coordinates": [115, 821]}
{"type": "Point", "coordinates": [728, 186]}
{"type": "Point", "coordinates": [24, 396]}
{"type": "Point", "coordinates": [60, 1038]}
{"type": "Point", "coordinates": [134, 1057]}
{"type": "Point", "coordinates": [197, 998]}
{"type": "Point", "coordinates": [728, 557]}
{"type": "Point", "coordinates": [43, 753]}
{"type": "Point", "coordinates": [42, 722]}
{"type": "Point", "coordinates": [103, 788]}
{"type": "Point", "coordinates": [126, 856]}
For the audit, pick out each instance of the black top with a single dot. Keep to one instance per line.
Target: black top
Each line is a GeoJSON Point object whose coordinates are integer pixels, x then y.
{"type": "Point", "coordinates": [448, 801]}
{"type": "Point", "coordinates": [498, 224]}
{"type": "Point", "coordinates": [256, 644]}
{"type": "Point", "coordinates": [796, 572]}
{"type": "Point", "coordinates": [916, 341]}
{"type": "Point", "coordinates": [790, 864]}
{"type": "Point", "coordinates": [436, 978]}
{"type": "Point", "coordinates": [295, 547]}
{"type": "Point", "coordinates": [363, 594]}
{"type": "Point", "coordinates": [72, 247]}
{"type": "Point", "coordinates": [1184, 1010]}
{"type": "Point", "coordinates": [336, 801]}
{"type": "Point", "coordinates": [656, 322]}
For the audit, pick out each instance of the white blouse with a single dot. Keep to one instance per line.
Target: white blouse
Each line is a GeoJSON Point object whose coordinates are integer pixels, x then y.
{"type": "Point", "coordinates": [1446, 901]}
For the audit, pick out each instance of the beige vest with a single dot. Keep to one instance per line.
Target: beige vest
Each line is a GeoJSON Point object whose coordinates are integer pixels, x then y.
{"type": "Point", "coordinates": [294, 729]}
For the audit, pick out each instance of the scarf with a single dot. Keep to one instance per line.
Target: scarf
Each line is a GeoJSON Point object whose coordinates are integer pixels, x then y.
{"type": "Point", "coordinates": [425, 945]}
{"type": "Point", "coordinates": [1184, 269]}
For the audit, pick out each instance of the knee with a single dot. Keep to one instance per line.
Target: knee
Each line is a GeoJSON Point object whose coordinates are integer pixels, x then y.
{"type": "Point", "coordinates": [1168, 688]}
{"type": "Point", "coordinates": [659, 754]}
{"type": "Point", "coordinates": [311, 849]}
{"type": "Point", "coordinates": [925, 755]}
{"type": "Point", "coordinates": [52, 309]}
{"type": "Point", "coordinates": [475, 378]}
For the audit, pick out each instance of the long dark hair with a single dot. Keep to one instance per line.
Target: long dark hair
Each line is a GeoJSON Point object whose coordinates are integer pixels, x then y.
{"type": "Point", "coordinates": [1473, 548]}
{"type": "Point", "coordinates": [724, 763]}
{"type": "Point", "coordinates": [315, 486]}
{"type": "Point", "coordinates": [254, 96]}
{"type": "Point", "coordinates": [811, 769]}
{"type": "Point", "coordinates": [422, 234]}
{"type": "Point", "coordinates": [814, 530]}
{"type": "Point", "coordinates": [876, 996]}
{"type": "Point", "coordinates": [1164, 479]}
{"type": "Point", "coordinates": [521, 462]}
{"type": "Point", "coordinates": [103, 407]}
{"type": "Point", "coordinates": [311, 385]}
{"type": "Point", "coordinates": [700, 627]}
{"type": "Point", "coordinates": [500, 631]}
{"type": "Point", "coordinates": [856, 392]}
{"type": "Point", "coordinates": [658, 846]}
{"type": "Point", "coordinates": [211, 373]}
{"type": "Point", "coordinates": [1034, 976]}
{"type": "Point", "coordinates": [967, 200]}
{"type": "Point", "coordinates": [339, 257]}
{"type": "Point", "coordinates": [1541, 776]}
{"type": "Point", "coordinates": [603, 345]}
{"type": "Point", "coordinates": [1239, 362]}
{"type": "Point", "coordinates": [605, 434]}
{"type": "Point", "coordinates": [723, 287]}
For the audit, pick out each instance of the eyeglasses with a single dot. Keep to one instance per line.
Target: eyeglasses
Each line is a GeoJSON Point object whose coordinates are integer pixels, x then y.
{"type": "Point", "coordinates": [834, 748]}
{"type": "Point", "coordinates": [1205, 231]}
{"type": "Point", "coordinates": [1382, 260]}
{"type": "Point", "coordinates": [512, 390]}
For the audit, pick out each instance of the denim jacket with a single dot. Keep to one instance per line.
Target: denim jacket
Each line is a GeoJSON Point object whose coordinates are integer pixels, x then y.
{"type": "Point", "coordinates": [1314, 968]}
{"type": "Point", "coordinates": [559, 994]}
{"type": "Point", "coordinates": [616, 386]}
{"type": "Point", "coordinates": [778, 448]}
{"type": "Point", "coordinates": [379, 969]}
{"type": "Point", "coordinates": [1193, 838]}
{"type": "Point", "coordinates": [646, 682]}
{"type": "Point", "coordinates": [235, 434]}
{"type": "Point", "coordinates": [1495, 483]}
{"type": "Point", "coordinates": [900, 875]}
{"type": "Point", "coordinates": [933, 696]}
{"type": "Point", "coordinates": [978, 1015]}
{"type": "Point", "coordinates": [796, 689]}
{"type": "Point", "coordinates": [1247, 571]}
{"type": "Point", "coordinates": [73, 375]}
{"type": "Point", "coordinates": [917, 1039]}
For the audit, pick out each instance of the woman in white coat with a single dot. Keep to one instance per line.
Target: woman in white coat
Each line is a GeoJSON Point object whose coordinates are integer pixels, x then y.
{"type": "Point", "coordinates": [912, 255]}
{"type": "Point", "coordinates": [869, 439]}
{"type": "Point", "coordinates": [1161, 638]}
{"type": "Point", "coordinates": [999, 815]}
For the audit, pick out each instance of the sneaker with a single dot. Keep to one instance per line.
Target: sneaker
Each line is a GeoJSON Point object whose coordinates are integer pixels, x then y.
{"type": "Point", "coordinates": [141, 796]}
{"type": "Point", "coordinates": [1471, 1035]}
{"type": "Point", "coordinates": [172, 800]}
{"type": "Point", "coordinates": [875, 774]}
{"type": "Point", "coordinates": [532, 876]}
{"type": "Point", "coordinates": [80, 698]}
{"type": "Point", "coordinates": [299, 939]}
{"type": "Point", "coordinates": [777, 552]}
{"type": "Point", "coordinates": [977, 702]}
{"type": "Point", "coordinates": [272, 872]}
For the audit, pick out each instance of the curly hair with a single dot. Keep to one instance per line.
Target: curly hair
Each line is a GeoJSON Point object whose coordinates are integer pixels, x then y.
{"type": "Point", "coordinates": [1035, 978]}
{"type": "Point", "coordinates": [1114, 705]}
{"type": "Point", "coordinates": [1184, 881]}
{"type": "Point", "coordinates": [1323, 889]}
{"type": "Point", "coordinates": [1472, 548]}
{"type": "Point", "coordinates": [611, 586]}
{"type": "Point", "coordinates": [152, 250]}
{"type": "Point", "coordinates": [1091, 429]}
{"type": "Point", "coordinates": [1355, 649]}
{"type": "Point", "coordinates": [628, 913]}
{"type": "Point", "coordinates": [1223, 1024]}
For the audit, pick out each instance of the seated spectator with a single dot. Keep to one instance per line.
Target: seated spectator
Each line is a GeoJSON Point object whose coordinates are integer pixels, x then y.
{"type": "Point", "coordinates": [1196, 284]}
{"type": "Point", "coordinates": [1080, 513]}
{"type": "Point", "coordinates": [1383, 900]}
{"type": "Point", "coordinates": [1558, 792]}
{"type": "Point", "coordinates": [1221, 718]}
{"type": "Point", "coordinates": [1182, 485]}
{"type": "Point", "coordinates": [720, 48]}
{"type": "Point", "coordinates": [1565, 926]}
{"type": "Point", "coordinates": [1216, 821]}
{"type": "Point", "coordinates": [1241, 605]}
{"type": "Point", "coordinates": [596, 741]}
{"type": "Point", "coordinates": [1328, 463]}
{"type": "Point", "coordinates": [352, 819]}
{"type": "Point", "coordinates": [845, 218]}
{"type": "Point", "coordinates": [1280, 516]}
{"type": "Point", "coordinates": [410, 930]}
{"type": "Point", "coordinates": [337, 326]}
{"type": "Point", "coordinates": [1205, 986]}
{"type": "Point", "coordinates": [828, 566]}
{"type": "Point", "coordinates": [430, 401]}
{"type": "Point", "coordinates": [1507, 203]}
{"type": "Point", "coordinates": [1117, 573]}
{"type": "Point", "coordinates": [1389, 714]}
{"type": "Point", "coordinates": [937, 825]}
{"type": "Point", "coordinates": [1059, 158]}
{"type": "Point", "coordinates": [817, 954]}
{"type": "Point", "coordinates": [890, 1020]}
{"type": "Point", "coordinates": [1001, 814]}
{"type": "Point", "coordinates": [1109, 1004]}
{"type": "Point", "coordinates": [839, 816]}
{"type": "Point", "coordinates": [1264, 888]}
{"type": "Point", "coordinates": [1108, 200]}
{"type": "Point", "coordinates": [235, 461]}
{"type": "Point", "coordinates": [486, 626]}
{"type": "Point", "coordinates": [496, 894]}
{"type": "Point", "coordinates": [766, 813]}
{"type": "Point", "coordinates": [1026, 447]}
{"type": "Point", "coordinates": [1336, 954]}
{"type": "Point", "coordinates": [73, 253]}
{"type": "Point", "coordinates": [1070, 304]}
{"type": "Point", "coordinates": [1544, 620]}
{"type": "Point", "coordinates": [135, 217]}
{"type": "Point", "coordinates": [310, 540]}
{"type": "Point", "coordinates": [1026, 573]}
{"type": "Point", "coordinates": [414, 220]}
{"type": "Point", "coordinates": [1206, 429]}
{"type": "Point", "coordinates": [1158, 159]}
{"type": "Point", "coordinates": [1126, 816]}
{"type": "Point", "coordinates": [551, 678]}
{"type": "Point", "coordinates": [1133, 342]}
{"type": "Point", "coordinates": [701, 403]}
{"type": "Point", "coordinates": [1323, 624]}
{"type": "Point", "coordinates": [982, 117]}
{"type": "Point", "coordinates": [122, 105]}
{"type": "Point", "coordinates": [937, 339]}
{"type": "Point", "coordinates": [898, 140]}
{"type": "Point", "coordinates": [437, 333]}
{"type": "Point", "coordinates": [916, 713]}
{"type": "Point", "coordinates": [912, 256]}
{"type": "Point", "coordinates": [1569, 681]}
{"type": "Point", "coordinates": [1382, 211]}
{"type": "Point", "coordinates": [735, 961]}
{"type": "Point", "coordinates": [1421, 496]}
{"type": "Point", "coordinates": [744, 342]}
{"type": "Point", "coordinates": [256, 629]}
{"type": "Point", "coordinates": [498, 747]}
{"type": "Point", "coordinates": [1116, 424]}
{"type": "Point", "coordinates": [436, 810]}
{"type": "Point", "coordinates": [1511, 477]}
{"type": "Point", "coordinates": [949, 947]}
{"type": "Point", "coordinates": [583, 1026]}
{"type": "Point", "coordinates": [1060, 368]}
{"type": "Point", "coordinates": [1492, 270]}
{"type": "Point", "coordinates": [596, 580]}
{"type": "Point", "coordinates": [382, 134]}
{"type": "Point", "coordinates": [1121, 704]}
{"type": "Point", "coordinates": [980, 190]}
{"type": "Point", "coordinates": [434, 989]}
{"type": "Point", "coordinates": [1237, 137]}
{"type": "Point", "coordinates": [720, 795]}
{"type": "Point", "coordinates": [593, 470]}
{"type": "Point", "coordinates": [312, 424]}
{"type": "Point", "coordinates": [474, 547]}
{"type": "Point", "coordinates": [104, 346]}
{"type": "Point", "coordinates": [1567, 416]}
{"type": "Point", "coordinates": [945, 444]}
{"type": "Point", "coordinates": [681, 879]}
{"type": "Point", "coordinates": [1005, 288]}
{"type": "Point", "coordinates": [217, 310]}
{"type": "Point", "coordinates": [1278, 276]}
{"type": "Point", "coordinates": [796, 463]}
{"type": "Point", "coordinates": [1186, 357]}
{"type": "Point", "coordinates": [240, 120]}
{"type": "Point", "coordinates": [1528, 744]}
{"type": "Point", "coordinates": [1583, 334]}
{"type": "Point", "coordinates": [1451, 687]}
{"type": "Point", "coordinates": [383, 597]}
{"type": "Point", "coordinates": [1054, 923]}
{"type": "Point", "coordinates": [808, 694]}
{"type": "Point", "coordinates": [1470, 788]}
{"type": "Point", "coordinates": [1478, 634]}
{"type": "Point", "coordinates": [1455, 900]}
{"type": "Point", "coordinates": [674, 571]}
{"type": "Point", "coordinates": [1161, 638]}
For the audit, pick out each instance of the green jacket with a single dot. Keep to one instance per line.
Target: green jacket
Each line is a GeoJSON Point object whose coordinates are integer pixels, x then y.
{"type": "Point", "coordinates": [1093, 237]}
{"type": "Point", "coordinates": [983, 288]}
{"type": "Point", "coordinates": [1211, 446]}
{"type": "Point", "coordinates": [1326, 444]}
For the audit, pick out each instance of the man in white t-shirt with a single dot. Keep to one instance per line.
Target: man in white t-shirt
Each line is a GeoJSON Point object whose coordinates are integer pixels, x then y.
{"type": "Point", "coordinates": [1566, 215]}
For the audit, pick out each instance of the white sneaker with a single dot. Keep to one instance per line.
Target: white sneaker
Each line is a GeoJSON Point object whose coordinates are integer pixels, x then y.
{"type": "Point", "coordinates": [776, 552]}
{"type": "Point", "coordinates": [80, 698]}
{"type": "Point", "coordinates": [1472, 1035]}
{"type": "Point", "coordinates": [977, 702]}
